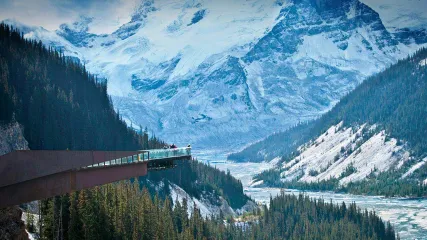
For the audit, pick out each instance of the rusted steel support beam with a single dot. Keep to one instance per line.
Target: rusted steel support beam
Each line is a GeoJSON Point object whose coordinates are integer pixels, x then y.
{"type": "Point", "coordinates": [66, 182]}
{"type": "Point", "coordinates": [20, 166]}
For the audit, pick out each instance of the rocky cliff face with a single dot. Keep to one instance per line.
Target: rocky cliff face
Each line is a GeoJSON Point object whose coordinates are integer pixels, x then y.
{"type": "Point", "coordinates": [12, 138]}
{"type": "Point", "coordinates": [11, 225]}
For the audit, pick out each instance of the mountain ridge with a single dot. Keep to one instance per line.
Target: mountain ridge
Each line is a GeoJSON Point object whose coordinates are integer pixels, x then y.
{"type": "Point", "coordinates": [371, 142]}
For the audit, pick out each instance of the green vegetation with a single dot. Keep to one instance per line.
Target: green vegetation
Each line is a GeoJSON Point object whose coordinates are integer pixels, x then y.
{"type": "Point", "coordinates": [60, 104]}
{"type": "Point", "coordinates": [390, 184]}
{"type": "Point", "coordinates": [279, 144]}
{"type": "Point", "coordinates": [350, 169]}
{"type": "Point", "coordinates": [201, 180]}
{"type": "Point", "coordinates": [271, 178]}
{"type": "Point", "coordinates": [124, 211]}
{"type": "Point", "coordinates": [393, 100]}
{"type": "Point", "coordinates": [291, 217]}
{"type": "Point", "coordinates": [385, 184]}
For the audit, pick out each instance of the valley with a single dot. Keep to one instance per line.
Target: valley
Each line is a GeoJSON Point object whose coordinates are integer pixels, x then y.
{"type": "Point", "coordinates": [303, 119]}
{"type": "Point", "coordinates": [266, 70]}
{"type": "Point", "coordinates": [409, 216]}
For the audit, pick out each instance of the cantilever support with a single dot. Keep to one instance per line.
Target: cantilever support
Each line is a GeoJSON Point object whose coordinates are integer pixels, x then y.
{"type": "Point", "coordinates": [66, 182]}
{"type": "Point", "coordinates": [30, 175]}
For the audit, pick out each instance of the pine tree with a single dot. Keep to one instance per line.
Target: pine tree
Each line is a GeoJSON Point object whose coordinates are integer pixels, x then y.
{"type": "Point", "coordinates": [75, 226]}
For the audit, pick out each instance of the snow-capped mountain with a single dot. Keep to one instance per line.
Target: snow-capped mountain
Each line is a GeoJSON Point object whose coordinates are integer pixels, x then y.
{"type": "Point", "coordinates": [376, 132]}
{"type": "Point", "coordinates": [225, 73]}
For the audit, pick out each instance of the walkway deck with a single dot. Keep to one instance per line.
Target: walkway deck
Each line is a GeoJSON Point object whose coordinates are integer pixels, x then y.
{"type": "Point", "coordinates": [31, 175]}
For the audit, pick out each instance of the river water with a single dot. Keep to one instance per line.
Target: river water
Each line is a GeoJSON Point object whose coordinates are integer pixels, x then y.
{"type": "Point", "coordinates": [409, 217]}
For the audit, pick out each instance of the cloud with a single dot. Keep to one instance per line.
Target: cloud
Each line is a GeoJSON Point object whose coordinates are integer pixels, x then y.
{"type": "Point", "coordinates": [107, 15]}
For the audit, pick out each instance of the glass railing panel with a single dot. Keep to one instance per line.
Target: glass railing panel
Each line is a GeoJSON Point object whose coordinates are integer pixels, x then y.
{"type": "Point", "coordinates": [169, 153]}
{"type": "Point", "coordinates": [147, 155]}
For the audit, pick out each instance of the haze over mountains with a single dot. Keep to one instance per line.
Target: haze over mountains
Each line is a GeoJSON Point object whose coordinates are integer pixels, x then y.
{"type": "Point", "coordinates": [221, 75]}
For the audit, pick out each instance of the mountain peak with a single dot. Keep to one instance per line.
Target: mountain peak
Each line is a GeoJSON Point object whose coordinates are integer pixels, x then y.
{"type": "Point", "coordinates": [328, 4]}
{"type": "Point", "coordinates": [142, 11]}
{"type": "Point", "coordinates": [77, 33]}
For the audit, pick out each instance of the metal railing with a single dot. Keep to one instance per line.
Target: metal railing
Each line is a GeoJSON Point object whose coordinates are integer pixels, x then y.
{"type": "Point", "coordinates": [148, 155]}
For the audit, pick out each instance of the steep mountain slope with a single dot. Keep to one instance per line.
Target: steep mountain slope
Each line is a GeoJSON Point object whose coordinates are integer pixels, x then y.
{"type": "Point", "coordinates": [196, 71]}
{"type": "Point", "coordinates": [375, 132]}
{"type": "Point", "coordinates": [60, 105]}
{"type": "Point", "coordinates": [210, 190]}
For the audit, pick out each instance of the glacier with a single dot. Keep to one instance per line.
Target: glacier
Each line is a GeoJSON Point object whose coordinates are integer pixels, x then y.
{"type": "Point", "coordinates": [221, 74]}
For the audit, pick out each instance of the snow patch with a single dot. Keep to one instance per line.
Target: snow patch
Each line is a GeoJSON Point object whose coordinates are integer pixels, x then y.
{"type": "Point", "coordinates": [178, 194]}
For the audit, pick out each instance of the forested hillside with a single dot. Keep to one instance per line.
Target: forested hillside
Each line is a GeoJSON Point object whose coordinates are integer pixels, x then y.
{"type": "Point", "coordinates": [123, 211]}
{"type": "Point", "coordinates": [393, 101]}
{"type": "Point", "coordinates": [62, 106]}
{"type": "Point", "coordinates": [200, 180]}
{"type": "Point", "coordinates": [276, 145]}
{"type": "Point", "coordinates": [59, 103]}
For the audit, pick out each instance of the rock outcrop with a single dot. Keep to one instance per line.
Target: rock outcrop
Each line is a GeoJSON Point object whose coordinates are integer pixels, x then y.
{"type": "Point", "coordinates": [11, 225]}
{"type": "Point", "coordinates": [12, 138]}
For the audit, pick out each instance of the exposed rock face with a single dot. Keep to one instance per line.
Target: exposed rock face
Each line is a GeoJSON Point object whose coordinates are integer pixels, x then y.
{"type": "Point", "coordinates": [11, 225]}
{"type": "Point", "coordinates": [12, 138]}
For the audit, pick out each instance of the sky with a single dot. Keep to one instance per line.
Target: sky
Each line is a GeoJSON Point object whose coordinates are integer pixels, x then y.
{"type": "Point", "coordinates": [108, 15]}
{"type": "Point", "coordinates": [400, 13]}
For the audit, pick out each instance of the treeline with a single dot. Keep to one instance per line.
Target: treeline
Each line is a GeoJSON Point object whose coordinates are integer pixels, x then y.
{"type": "Point", "coordinates": [278, 144]}
{"type": "Point", "coordinates": [60, 104]}
{"type": "Point", "coordinates": [387, 184]}
{"type": "Point", "coordinates": [292, 217]}
{"type": "Point", "coordinates": [124, 211]}
{"type": "Point", "coordinates": [138, 209]}
{"type": "Point", "coordinates": [272, 178]}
